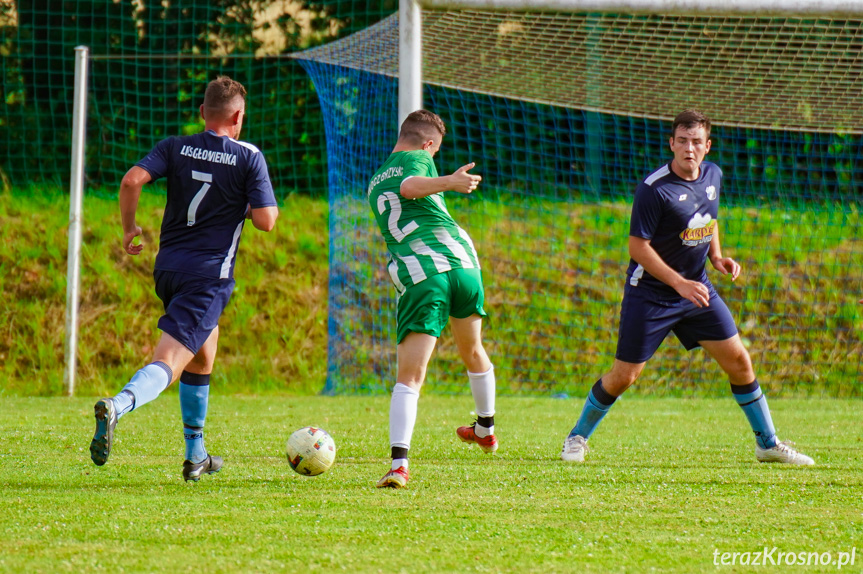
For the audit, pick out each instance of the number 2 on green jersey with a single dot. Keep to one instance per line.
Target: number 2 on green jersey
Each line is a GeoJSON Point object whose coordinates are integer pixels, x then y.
{"type": "Point", "coordinates": [395, 212]}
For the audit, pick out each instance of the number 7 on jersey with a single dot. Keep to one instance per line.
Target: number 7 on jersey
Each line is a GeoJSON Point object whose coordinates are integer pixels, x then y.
{"type": "Point", "coordinates": [207, 178]}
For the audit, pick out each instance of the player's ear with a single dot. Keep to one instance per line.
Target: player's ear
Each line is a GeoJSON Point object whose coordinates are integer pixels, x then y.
{"type": "Point", "coordinates": [202, 112]}
{"type": "Point", "coordinates": [707, 147]}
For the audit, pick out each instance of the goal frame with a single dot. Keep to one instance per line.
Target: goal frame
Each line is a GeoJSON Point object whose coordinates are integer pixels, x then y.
{"type": "Point", "coordinates": [410, 22]}
{"type": "Point", "coordinates": [410, 88]}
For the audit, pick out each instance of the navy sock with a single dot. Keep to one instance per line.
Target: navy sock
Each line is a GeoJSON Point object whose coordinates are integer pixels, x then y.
{"type": "Point", "coordinates": [595, 407]}
{"type": "Point", "coordinates": [754, 405]}
{"type": "Point", "coordinates": [194, 397]}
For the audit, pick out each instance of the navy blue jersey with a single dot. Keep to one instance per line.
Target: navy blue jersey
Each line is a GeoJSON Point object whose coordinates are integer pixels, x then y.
{"type": "Point", "coordinates": [211, 180]}
{"type": "Point", "coordinates": [679, 219]}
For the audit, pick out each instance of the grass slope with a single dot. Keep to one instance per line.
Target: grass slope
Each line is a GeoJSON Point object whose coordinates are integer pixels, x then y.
{"type": "Point", "coordinates": [666, 483]}
{"type": "Point", "coordinates": [273, 335]}
{"type": "Point", "coordinates": [552, 270]}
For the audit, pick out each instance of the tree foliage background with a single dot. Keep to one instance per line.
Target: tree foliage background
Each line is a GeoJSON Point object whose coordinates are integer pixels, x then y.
{"type": "Point", "coordinates": [150, 61]}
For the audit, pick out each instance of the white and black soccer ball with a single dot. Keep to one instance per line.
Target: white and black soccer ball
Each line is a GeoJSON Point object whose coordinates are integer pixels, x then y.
{"type": "Point", "coordinates": [311, 451]}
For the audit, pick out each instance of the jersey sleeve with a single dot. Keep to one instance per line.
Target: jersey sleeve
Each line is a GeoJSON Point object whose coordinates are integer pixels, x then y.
{"type": "Point", "coordinates": [719, 187]}
{"type": "Point", "coordinates": [646, 212]}
{"type": "Point", "coordinates": [259, 188]}
{"type": "Point", "coordinates": [421, 165]}
{"type": "Point", "coordinates": [156, 162]}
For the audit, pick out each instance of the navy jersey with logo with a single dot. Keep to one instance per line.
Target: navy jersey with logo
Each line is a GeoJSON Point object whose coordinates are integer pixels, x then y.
{"type": "Point", "coordinates": [211, 180]}
{"type": "Point", "coordinates": [679, 219]}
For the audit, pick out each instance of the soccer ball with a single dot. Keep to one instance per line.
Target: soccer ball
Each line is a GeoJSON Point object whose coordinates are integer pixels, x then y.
{"type": "Point", "coordinates": [311, 451]}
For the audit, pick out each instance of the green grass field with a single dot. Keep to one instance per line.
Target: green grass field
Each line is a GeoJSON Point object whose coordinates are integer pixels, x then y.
{"type": "Point", "coordinates": [667, 482]}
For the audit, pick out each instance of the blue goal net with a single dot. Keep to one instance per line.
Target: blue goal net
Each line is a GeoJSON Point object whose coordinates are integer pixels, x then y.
{"type": "Point", "coordinates": [550, 220]}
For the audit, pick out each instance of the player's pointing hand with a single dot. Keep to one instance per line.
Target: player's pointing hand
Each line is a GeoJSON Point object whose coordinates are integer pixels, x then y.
{"type": "Point", "coordinates": [464, 182]}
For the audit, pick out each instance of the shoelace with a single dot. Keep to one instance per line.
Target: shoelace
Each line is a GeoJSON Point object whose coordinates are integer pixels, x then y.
{"type": "Point", "coordinates": [570, 440]}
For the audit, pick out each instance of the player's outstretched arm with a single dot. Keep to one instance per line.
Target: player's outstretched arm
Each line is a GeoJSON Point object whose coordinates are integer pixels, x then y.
{"type": "Point", "coordinates": [130, 192]}
{"type": "Point", "coordinates": [264, 218]}
{"type": "Point", "coordinates": [641, 251]}
{"type": "Point", "coordinates": [725, 265]}
{"type": "Point", "coordinates": [460, 180]}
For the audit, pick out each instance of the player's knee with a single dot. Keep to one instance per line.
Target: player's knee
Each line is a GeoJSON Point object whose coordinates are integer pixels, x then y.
{"type": "Point", "coordinates": [412, 382]}
{"type": "Point", "coordinates": [740, 367]}
{"type": "Point", "coordinates": [617, 381]}
{"type": "Point", "coordinates": [476, 359]}
{"type": "Point", "coordinates": [411, 377]}
{"type": "Point", "coordinates": [200, 365]}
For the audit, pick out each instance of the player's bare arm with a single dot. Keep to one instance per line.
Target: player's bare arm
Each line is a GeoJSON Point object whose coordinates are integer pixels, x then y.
{"type": "Point", "coordinates": [264, 218]}
{"type": "Point", "coordinates": [460, 181]}
{"type": "Point", "coordinates": [643, 254]}
{"type": "Point", "coordinates": [130, 192]}
{"type": "Point", "coordinates": [725, 265]}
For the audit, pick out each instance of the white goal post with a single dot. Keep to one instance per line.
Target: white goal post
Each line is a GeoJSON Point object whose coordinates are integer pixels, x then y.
{"type": "Point", "coordinates": [76, 195]}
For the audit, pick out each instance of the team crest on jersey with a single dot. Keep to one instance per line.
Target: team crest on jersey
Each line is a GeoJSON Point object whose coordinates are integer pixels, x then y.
{"type": "Point", "coordinates": [682, 197]}
{"type": "Point", "coordinates": [699, 230]}
{"type": "Point", "coordinates": [711, 192]}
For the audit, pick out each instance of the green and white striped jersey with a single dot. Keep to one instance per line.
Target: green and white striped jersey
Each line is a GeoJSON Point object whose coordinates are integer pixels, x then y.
{"type": "Point", "coordinates": [421, 235]}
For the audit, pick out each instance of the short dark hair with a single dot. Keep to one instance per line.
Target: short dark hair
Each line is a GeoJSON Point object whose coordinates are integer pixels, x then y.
{"type": "Point", "coordinates": [689, 119]}
{"type": "Point", "coordinates": [421, 126]}
{"type": "Point", "coordinates": [221, 93]}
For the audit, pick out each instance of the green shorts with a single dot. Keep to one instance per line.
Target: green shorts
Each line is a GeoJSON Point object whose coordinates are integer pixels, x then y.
{"type": "Point", "coordinates": [427, 306]}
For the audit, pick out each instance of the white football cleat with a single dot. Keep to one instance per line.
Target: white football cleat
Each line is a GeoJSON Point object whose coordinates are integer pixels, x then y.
{"type": "Point", "coordinates": [782, 452]}
{"type": "Point", "coordinates": [574, 448]}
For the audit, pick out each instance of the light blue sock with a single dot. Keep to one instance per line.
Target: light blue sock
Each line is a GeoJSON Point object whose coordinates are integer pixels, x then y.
{"type": "Point", "coordinates": [145, 386]}
{"type": "Point", "coordinates": [595, 407]}
{"type": "Point", "coordinates": [754, 405]}
{"type": "Point", "coordinates": [124, 402]}
{"type": "Point", "coordinates": [194, 396]}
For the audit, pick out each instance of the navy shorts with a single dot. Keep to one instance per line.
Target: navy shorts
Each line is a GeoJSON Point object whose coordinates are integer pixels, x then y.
{"type": "Point", "coordinates": [646, 317]}
{"type": "Point", "coordinates": [193, 305]}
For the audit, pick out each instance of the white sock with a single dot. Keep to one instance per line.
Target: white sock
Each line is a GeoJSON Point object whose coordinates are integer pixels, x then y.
{"type": "Point", "coordinates": [403, 415]}
{"type": "Point", "coordinates": [398, 462]}
{"type": "Point", "coordinates": [482, 387]}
